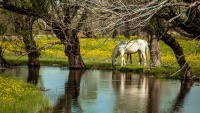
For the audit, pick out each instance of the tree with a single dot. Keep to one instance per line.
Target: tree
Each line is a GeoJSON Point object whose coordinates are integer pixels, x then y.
{"type": "Point", "coordinates": [24, 27]}
{"type": "Point", "coordinates": [65, 18]}
{"type": "Point", "coordinates": [3, 29]}
{"type": "Point", "coordinates": [180, 15]}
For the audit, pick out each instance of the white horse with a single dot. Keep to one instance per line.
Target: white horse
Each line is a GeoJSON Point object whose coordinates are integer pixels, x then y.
{"type": "Point", "coordinates": [139, 45]}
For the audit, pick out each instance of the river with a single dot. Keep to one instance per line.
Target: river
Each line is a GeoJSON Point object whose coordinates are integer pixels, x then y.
{"type": "Point", "coordinates": [101, 91]}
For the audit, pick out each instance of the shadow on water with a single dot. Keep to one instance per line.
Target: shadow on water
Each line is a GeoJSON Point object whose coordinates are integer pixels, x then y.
{"type": "Point", "coordinates": [96, 91]}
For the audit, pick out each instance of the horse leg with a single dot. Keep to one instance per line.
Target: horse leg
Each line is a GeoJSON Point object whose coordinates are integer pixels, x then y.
{"type": "Point", "coordinates": [131, 58]}
{"type": "Point", "coordinates": [140, 57]}
{"type": "Point", "coordinates": [127, 58]}
{"type": "Point", "coordinates": [145, 60]}
{"type": "Point", "coordinates": [122, 59]}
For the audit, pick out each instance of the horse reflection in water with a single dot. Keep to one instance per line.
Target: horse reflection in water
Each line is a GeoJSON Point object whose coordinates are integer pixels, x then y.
{"type": "Point", "coordinates": [135, 87]}
{"type": "Point", "coordinates": [140, 46]}
{"type": "Point", "coordinates": [129, 88]}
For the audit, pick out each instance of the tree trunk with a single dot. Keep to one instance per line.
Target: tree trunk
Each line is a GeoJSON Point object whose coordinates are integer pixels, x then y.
{"type": "Point", "coordinates": [72, 46]}
{"type": "Point", "coordinates": [3, 62]}
{"type": "Point", "coordinates": [33, 59]}
{"type": "Point", "coordinates": [127, 29]}
{"type": "Point", "coordinates": [154, 47]}
{"type": "Point", "coordinates": [152, 33]}
{"type": "Point", "coordinates": [24, 28]}
{"type": "Point", "coordinates": [87, 31]}
{"type": "Point", "coordinates": [185, 70]}
{"type": "Point", "coordinates": [114, 33]}
{"type": "Point", "coordinates": [31, 49]}
{"type": "Point", "coordinates": [72, 50]}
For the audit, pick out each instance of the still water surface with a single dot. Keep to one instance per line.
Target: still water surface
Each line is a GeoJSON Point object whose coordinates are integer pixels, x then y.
{"type": "Point", "coordinates": [100, 91]}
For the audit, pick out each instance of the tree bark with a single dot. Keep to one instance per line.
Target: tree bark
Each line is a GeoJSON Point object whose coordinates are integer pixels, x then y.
{"type": "Point", "coordinates": [72, 46]}
{"type": "Point", "coordinates": [155, 59]}
{"type": "Point", "coordinates": [152, 32]}
{"type": "Point", "coordinates": [24, 28]}
{"type": "Point", "coordinates": [127, 29]}
{"type": "Point", "coordinates": [72, 50]}
{"type": "Point", "coordinates": [3, 62]}
{"type": "Point", "coordinates": [185, 71]}
{"type": "Point", "coordinates": [31, 49]}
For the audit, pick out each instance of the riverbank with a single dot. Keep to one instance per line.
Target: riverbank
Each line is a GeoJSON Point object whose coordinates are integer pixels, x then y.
{"type": "Point", "coordinates": [96, 53]}
{"type": "Point", "coordinates": [17, 96]}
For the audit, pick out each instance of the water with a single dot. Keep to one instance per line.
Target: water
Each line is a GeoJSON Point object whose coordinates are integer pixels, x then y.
{"type": "Point", "coordinates": [100, 91]}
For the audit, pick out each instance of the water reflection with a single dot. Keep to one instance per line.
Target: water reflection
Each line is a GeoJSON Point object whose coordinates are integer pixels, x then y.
{"type": "Point", "coordinates": [33, 75]}
{"type": "Point", "coordinates": [154, 93]}
{"type": "Point", "coordinates": [69, 101]}
{"type": "Point", "coordinates": [97, 91]}
{"type": "Point", "coordinates": [184, 90]}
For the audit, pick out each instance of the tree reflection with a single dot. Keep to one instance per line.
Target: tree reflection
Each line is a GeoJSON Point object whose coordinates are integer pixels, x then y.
{"type": "Point", "coordinates": [184, 90]}
{"type": "Point", "coordinates": [33, 75]}
{"type": "Point", "coordinates": [154, 93]}
{"type": "Point", "coordinates": [69, 101]}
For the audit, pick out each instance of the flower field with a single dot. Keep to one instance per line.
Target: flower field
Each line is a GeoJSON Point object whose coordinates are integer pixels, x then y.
{"type": "Point", "coordinates": [17, 96]}
{"type": "Point", "coordinates": [96, 52]}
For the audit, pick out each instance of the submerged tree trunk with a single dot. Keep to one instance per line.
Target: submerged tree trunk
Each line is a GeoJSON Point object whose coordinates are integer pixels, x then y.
{"type": "Point", "coordinates": [185, 70]}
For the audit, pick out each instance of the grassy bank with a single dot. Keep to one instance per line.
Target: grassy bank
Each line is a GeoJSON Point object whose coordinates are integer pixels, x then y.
{"type": "Point", "coordinates": [17, 96]}
{"type": "Point", "coordinates": [97, 52]}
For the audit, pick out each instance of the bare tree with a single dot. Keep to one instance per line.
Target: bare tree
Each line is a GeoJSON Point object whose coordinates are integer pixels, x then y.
{"type": "Point", "coordinates": [181, 15]}
{"type": "Point", "coordinates": [65, 18]}
{"type": "Point", "coordinates": [24, 28]}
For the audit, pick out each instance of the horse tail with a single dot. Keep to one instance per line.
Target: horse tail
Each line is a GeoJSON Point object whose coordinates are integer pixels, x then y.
{"type": "Point", "coordinates": [146, 50]}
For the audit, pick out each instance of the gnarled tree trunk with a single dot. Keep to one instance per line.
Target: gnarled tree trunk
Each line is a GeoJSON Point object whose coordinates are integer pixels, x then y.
{"type": "Point", "coordinates": [72, 50]}
{"type": "Point", "coordinates": [3, 62]}
{"type": "Point", "coordinates": [154, 47]}
{"type": "Point", "coordinates": [24, 28]}
{"type": "Point", "coordinates": [155, 59]}
{"type": "Point", "coordinates": [72, 46]}
{"type": "Point", "coordinates": [185, 70]}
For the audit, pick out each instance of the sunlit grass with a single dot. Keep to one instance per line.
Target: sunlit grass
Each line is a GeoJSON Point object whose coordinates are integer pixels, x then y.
{"type": "Point", "coordinates": [17, 96]}
{"type": "Point", "coordinates": [96, 52]}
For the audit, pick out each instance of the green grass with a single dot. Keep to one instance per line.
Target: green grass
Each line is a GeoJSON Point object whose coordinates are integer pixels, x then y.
{"type": "Point", "coordinates": [96, 53]}
{"type": "Point", "coordinates": [17, 96]}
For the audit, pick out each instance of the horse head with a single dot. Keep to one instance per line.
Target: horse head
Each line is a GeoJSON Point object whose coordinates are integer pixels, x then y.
{"type": "Point", "coordinates": [115, 54]}
{"type": "Point", "coordinates": [113, 60]}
